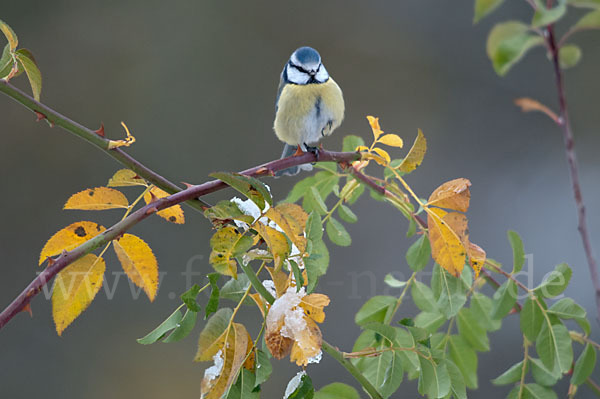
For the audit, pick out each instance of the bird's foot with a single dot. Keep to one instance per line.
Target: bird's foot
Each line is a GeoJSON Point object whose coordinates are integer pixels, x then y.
{"type": "Point", "coordinates": [299, 151]}
{"type": "Point", "coordinates": [314, 150]}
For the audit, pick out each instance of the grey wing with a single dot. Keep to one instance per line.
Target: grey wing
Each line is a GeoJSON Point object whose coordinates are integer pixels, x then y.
{"type": "Point", "coordinates": [282, 83]}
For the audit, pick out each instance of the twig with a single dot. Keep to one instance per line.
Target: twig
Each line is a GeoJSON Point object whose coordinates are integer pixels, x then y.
{"type": "Point", "coordinates": [118, 229]}
{"type": "Point", "coordinates": [565, 124]}
{"type": "Point", "coordinates": [55, 118]}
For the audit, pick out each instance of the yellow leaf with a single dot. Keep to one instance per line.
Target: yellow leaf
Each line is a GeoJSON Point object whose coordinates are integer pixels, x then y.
{"type": "Point", "coordinates": [380, 160]}
{"type": "Point", "coordinates": [126, 142]}
{"type": "Point", "coordinates": [307, 344]}
{"type": "Point", "coordinates": [416, 154]}
{"type": "Point", "coordinates": [70, 237]}
{"type": "Point", "coordinates": [74, 289]}
{"type": "Point", "coordinates": [138, 262]}
{"type": "Point", "coordinates": [529, 104]}
{"type": "Point", "coordinates": [97, 199]}
{"type": "Point", "coordinates": [374, 122]}
{"type": "Point", "coordinates": [276, 241]}
{"type": "Point", "coordinates": [313, 305]}
{"type": "Point", "coordinates": [250, 354]}
{"type": "Point", "coordinates": [212, 336]}
{"type": "Point", "coordinates": [362, 148]}
{"type": "Point", "coordinates": [285, 216]}
{"type": "Point", "coordinates": [125, 178]}
{"type": "Point", "coordinates": [218, 380]}
{"type": "Point", "coordinates": [477, 257]}
{"type": "Point", "coordinates": [225, 244]}
{"type": "Point", "coordinates": [393, 140]}
{"type": "Point", "coordinates": [258, 299]}
{"type": "Point", "coordinates": [453, 194]}
{"type": "Point", "coordinates": [10, 35]}
{"type": "Point", "coordinates": [173, 214]}
{"type": "Point", "coordinates": [447, 232]}
{"type": "Point", "coordinates": [280, 280]}
{"type": "Point", "coordinates": [383, 154]}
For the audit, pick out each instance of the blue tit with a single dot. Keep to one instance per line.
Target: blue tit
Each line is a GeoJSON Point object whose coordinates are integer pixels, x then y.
{"type": "Point", "coordinates": [309, 105]}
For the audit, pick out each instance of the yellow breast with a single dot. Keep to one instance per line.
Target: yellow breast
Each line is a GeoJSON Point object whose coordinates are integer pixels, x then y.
{"type": "Point", "coordinates": [303, 112]}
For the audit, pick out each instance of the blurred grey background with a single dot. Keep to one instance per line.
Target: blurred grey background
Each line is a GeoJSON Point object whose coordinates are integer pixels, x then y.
{"type": "Point", "coordinates": [195, 82]}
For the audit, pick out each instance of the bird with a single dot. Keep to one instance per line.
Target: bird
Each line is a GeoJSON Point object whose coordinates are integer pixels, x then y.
{"type": "Point", "coordinates": [309, 105]}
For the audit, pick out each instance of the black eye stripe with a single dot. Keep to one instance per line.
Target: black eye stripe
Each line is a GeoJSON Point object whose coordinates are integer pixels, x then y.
{"type": "Point", "coordinates": [299, 68]}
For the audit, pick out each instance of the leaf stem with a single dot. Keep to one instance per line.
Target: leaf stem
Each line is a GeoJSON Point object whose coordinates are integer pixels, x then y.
{"type": "Point", "coordinates": [347, 364]}
{"type": "Point", "coordinates": [390, 316]}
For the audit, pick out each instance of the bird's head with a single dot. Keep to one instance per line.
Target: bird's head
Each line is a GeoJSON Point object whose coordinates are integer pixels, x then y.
{"type": "Point", "coordinates": [305, 67]}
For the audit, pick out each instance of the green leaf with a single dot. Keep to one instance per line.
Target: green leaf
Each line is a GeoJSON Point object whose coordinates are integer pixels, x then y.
{"type": "Point", "coordinates": [434, 380]}
{"type": "Point", "coordinates": [337, 233]}
{"type": "Point", "coordinates": [263, 367]}
{"type": "Point", "coordinates": [314, 227]}
{"type": "Point", "coordinates": [234, 289]}
{"type": "Point", "coordinates": [10, 35]}
{"type": "Point", "coordinates": [337, 390]}
{"type": "Point", "coordinates": [423, 297]}
{"type": "Point", "coordinates": [584, 366]}
{"type": "Point", "coordinates": [484, 8]}
{"type": "Point", "coordinates": [297, 275]}
{"type": "Point", "coordinates": [213, 301]}
{"type": "Point", "coordinates": [556, 282]}
{"type": "Point", "coordinates": [226, 210]}
{"type": "Point", "coordinates": [393, 281]}
{"type": "Point", "coordinates": [211, 332]}
{"type": "Point", "coordinates": [183, 328]}
{"type": "Point", "coordinates": [481, 307]}
{"type": "Point", "coordinates": [513, 374]}
{"type": "Point", "coordinates": [252, 188]}
{"type": "Point", "coordinates": [314, 202]}
{"type": "Point", "coordinates": [303, 389]}
{"type": "Point", "coordinates": [346, 214]}
{"type": "Point", "coordinates": [412, 228]}
{"type": "Point", "coordinates": [518, 252]}
{"type": "Point", "coordinates": [591, 20]}
{"type": "Point", "coordinates": [465, 359]}
{"type": "Point", "coordinates": [244, 386]}
{"type": "Point", "coordinates": [532, 391]}
{"type": "Point", "coordinates": [584, 3]}
{"type": "Point", "coordinates": [387, 332]}
{"type": "Point", "coordinates": [325, 182]}
{"type": "Point", "coordinates": [569, 55]}
{"type": "Point", "coordinates": [554, 345]}
{"type": "Point", "coordinates": [471, 331]}
{"type": "Point", "coordinates": [546, 16]}
{"type": "Point", "coordinates": [300, 189]}
{"type": "Point", "coordinates": [430, 321]}
{"type": "Point", "coordinates": [164, 327]}
{"type": "Point", "coordinates": [452, 295]}
{"type": "Point", "coordinates": [566, 308]}
{"type": "Point", "coordinates": [504, 299]}
{"type": "Point", "coordinates": [541, 374]}
{"type": "Point", "coordinates": [226, 244]}
{"type": "Point", "coordinates": [34, 75]}
{"type": "Point", "coordinates": [375, 309]}
{"type": "Point", "coordinates": [419, 253]}
{"type": "Point", "coordinates": [384, 372]}
{"type": "Point", "coordinates": [351, 142]}
{"type": "Point", "coordinates": [189, 298]}
{"type": "Point", "coordinates": [531, 319]}
{"type": "Point", "coordinates": [6, 61]}
{"type": "Point", "coordinates": [316, 264]}
{"type": "Point", "coordinates": [457, 382]}
{"type": "Point", "coordinates": [508, 42]}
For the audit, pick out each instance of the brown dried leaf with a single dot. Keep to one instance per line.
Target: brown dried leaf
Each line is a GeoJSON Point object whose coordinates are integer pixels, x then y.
{"type": "Point", "coordinates": [453, 194]}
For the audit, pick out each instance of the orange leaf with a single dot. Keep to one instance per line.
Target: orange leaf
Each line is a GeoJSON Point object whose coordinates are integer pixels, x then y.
{"type": "Point", "coordinates": [283, 216]}
{"type": "Point", "coordinates": [313, 305]}
{"type": "Point", "coordinates": [477, 257]}
{"type": "Point", "coordinates": [447, 232]}
{"type": "Point", "coordinates": [453, 194]}
{"type": "Point", "coordinates": [97, 199]}
{"type": "Point", "coordinates": [173, 214]}
{"type": "Point", "coordinates": [393, 140]}
{"type": "Point", "coordinates": [374, 122]}
{"type": "Point", "coordinates": [74, 289]}
{"type": "Point", "coordinates": [529, 104]}
{"type": "Point", "coordinates": [70, 237]}
{"type": "Point", "coordinates": [138, 262]}
{"type": "Point", "coordinates": [276, 241]}
{"type": "Point", "coordinates": [125, 178]}
{"type": "Point", "coordinates": [416, 154]}
{"type": "Point", "coordinates": [280, 280]}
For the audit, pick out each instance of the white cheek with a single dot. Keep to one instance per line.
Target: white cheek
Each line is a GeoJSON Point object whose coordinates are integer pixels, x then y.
{"type": "Point", "coordinates": [295, 76]}
{"type": "Point", "coordinates": [322, 75]}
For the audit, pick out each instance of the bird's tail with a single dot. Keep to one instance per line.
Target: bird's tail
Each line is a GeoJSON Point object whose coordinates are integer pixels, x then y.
{"type": "Point", "coordinates": [288, 151]}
